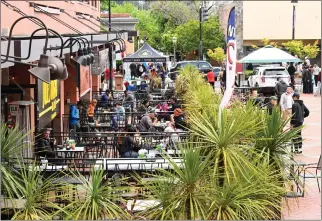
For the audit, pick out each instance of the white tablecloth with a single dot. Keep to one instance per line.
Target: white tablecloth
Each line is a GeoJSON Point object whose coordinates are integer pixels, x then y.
{"type": "Point", "coordinates": [123, 164]}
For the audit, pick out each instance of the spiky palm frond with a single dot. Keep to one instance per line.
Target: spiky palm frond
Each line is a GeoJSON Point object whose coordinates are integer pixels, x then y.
{"type": "Point", "coordinates": [12, 147]}
{"type": "Point", "coordinates": [99, 199]}
{"type": "Point", "coordinates": [253, 196]}
{"type": "Point", "coordinates": [273, 139]}
{"type": "Point", "coordinates": [181, 192]}
{"type": "Point", "coordinates": [35, 190]}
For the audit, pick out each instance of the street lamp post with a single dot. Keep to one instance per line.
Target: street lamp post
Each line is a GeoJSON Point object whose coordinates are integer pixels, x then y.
{"type": "Point", "coordinates": [294, 18]}
{"type": "Point", "coordinates": [174, 40]}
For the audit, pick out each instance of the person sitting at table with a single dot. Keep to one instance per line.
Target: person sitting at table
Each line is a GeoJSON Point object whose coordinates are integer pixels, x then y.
{"type": "Point", "coordinates": [91, 110]}
{"type": "Point", "coordinates": [129, 101]}
{"type": "Point", "coordinates": [150, 97]}
{"type": "Point", "coordinates": [174, 104]}
{"type": "Point", "coordinates": [104, 99]}
{"type": "Point", "coordinates": [148, 121]}
{"type": "Point", "coordinates": [128, 149]}
{"type": "Point", "coordinates": [143, 108]}
{"type": "Point", "coordinates": [45, 146]}
{"type": "Point", "coordinates": [120, 111]}
{"type": "Point", "coordinates": [178, 119]}
{"type": "Point", "coordinates": [170, 131]}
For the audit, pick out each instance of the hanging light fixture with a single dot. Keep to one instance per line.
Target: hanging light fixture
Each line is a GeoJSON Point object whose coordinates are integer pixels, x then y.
{"type": "Point", "coordinates": [89, 50]}
{"type": "Point", "coordinates": [42, 70]}
{"type": "Point", "coordinates": [81, 59]}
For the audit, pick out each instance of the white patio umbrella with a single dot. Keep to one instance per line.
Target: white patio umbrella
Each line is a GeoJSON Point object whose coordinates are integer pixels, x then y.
{"type": "Point", "coordinates": [269, 54]}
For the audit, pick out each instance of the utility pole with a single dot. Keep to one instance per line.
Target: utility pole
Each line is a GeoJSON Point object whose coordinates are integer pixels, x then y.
{"type": "Point", "coordinates": [294, 18]}
{"type": "Point", "coordinates": [203, 16]}
{"type": "Point", "coordinates": [110, 48]}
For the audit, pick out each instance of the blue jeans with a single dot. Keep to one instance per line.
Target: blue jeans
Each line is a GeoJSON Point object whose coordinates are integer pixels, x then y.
{"type": "Point", "coordinates": [130, 154]}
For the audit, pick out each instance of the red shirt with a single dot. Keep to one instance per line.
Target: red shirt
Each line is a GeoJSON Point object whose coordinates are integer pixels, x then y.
{"type": "Point", "coordinates": [107, 74]}
{"type": "Point", "coordinates": [211, 76]}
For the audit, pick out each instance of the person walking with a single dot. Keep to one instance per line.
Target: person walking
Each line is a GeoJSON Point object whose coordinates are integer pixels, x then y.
{"type": "Point", "coordinates": [280, 88]}
{"type": "Point", "coordinates": [211, 78]}
{"type": "Point", "coordinates": [299, 112]}
{"type": "Point", "coordinates": [286, 103]}
{"type": "Point", "coordinates": [291, 70]}
{"type": "Point", "coordinates": [316, 71]}
{"type": "Point", "coordinates": [223, 80]}
{"type": "Point", "coordinates": [307, 81]}
{"type": "Point", "coordinates": [318, 90]}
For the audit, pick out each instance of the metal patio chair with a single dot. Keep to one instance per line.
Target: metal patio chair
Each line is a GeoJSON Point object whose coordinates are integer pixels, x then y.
{"type": "Point", "coordinates": [307, 175]}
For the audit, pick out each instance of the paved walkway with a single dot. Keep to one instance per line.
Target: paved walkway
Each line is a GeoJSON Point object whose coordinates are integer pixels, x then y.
{"type": "Point", "coordinates": [308, 207]}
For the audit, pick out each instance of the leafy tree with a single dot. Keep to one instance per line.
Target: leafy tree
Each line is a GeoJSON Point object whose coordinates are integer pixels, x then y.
{"type": "Point", "coordinates": [311, 51]}
{"type": "Point", "coordinates": [174, 13]}
{"type": "Point", "coordinates": [218, 54]}
{"type": "Point", "coordinates": [188, 35]}
{"type": "Point", "coordinates": [294, 47]}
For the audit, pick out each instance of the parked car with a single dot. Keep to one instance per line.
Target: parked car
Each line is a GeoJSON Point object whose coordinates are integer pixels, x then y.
{"type": "Point", "coordinates": [217, 71]}
{"type": "Point", "coordinates": [266, 76]}
{"type": "Point", "coordinates": [202, 66]}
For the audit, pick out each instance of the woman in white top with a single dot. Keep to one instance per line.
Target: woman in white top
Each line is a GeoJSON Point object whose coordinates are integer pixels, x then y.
{"type": "Point", "coordinates": [316, 71]}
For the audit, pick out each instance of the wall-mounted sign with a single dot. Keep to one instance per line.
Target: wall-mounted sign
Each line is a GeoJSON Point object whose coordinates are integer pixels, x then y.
{"type": "Point", "coordinates": [95, 67]}
{"type": "Point", "coordinates": [84, 79]}
{"type": "Point", "coordinates": [103, 56]}
{"type": "Point", "coordinates": [48, 100]}
{"type": "Point", "coordinates": [101, 62]}
{"type": "Point", "coordinates": [13, 109]}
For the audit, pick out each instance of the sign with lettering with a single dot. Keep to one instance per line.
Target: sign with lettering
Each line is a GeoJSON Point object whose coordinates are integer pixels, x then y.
{"type": "Point", "coordinates": [13, 110]}
{"type": "Point", "coordinates": [231, 59]}
{"type": "Point", "coordinates": [48, 100]}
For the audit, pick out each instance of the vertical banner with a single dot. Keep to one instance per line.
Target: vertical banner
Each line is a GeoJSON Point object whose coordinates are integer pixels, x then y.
{"type": "Point", "coordinates": [230, 59]}
{"type": "Point", "coordinates": [84, 79]}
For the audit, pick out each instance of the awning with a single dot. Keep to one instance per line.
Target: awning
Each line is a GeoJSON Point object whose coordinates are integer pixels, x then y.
{"type": "Point", "coordinates": [269, 54]}
{"type": "Point", "coordinates": [146, 54]}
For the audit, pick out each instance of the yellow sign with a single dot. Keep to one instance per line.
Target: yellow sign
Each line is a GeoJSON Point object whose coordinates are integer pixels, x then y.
{"type": "Point", "coordinates": [49, 98]}
{"type": "Point", "coordinates": [50, 93]}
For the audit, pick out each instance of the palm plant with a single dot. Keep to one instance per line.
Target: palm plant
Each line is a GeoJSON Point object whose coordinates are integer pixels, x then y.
{"type": "Point", "coordinates": [35, 193]}
{"type": "Point", "coordinates": [273, 139]}
{"type": "Point", "coordinates": [12, 147]}
{"type": "Point", "coordinates": [248, 196]}
{"type": "Point", "coordinates": [228, 137]}
{"type": "Point", "coordinates": [181, 193]}
{"type": "Point", "coordinates": [98, 199]}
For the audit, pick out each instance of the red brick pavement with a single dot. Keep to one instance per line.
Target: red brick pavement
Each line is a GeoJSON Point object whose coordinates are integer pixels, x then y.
{"type": "Point", "coordinates": [308, 207]}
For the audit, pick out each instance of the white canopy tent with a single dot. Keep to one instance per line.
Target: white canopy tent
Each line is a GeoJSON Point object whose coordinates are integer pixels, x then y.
{"type": "Point", "coordinates": [269, 54]}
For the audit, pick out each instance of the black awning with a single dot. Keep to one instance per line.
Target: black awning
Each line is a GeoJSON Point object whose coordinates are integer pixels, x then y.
{"type": "Point", "coordinates": [146, 54]}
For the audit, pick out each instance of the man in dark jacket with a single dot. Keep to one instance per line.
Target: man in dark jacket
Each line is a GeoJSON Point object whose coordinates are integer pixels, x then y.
{"type": "Point", "coordinates": [291, 70]}
{"type": "Point", "coordinates": [299, 112]}
{"type": "Point", "coordinates": [280, 88]}
{"type": "Point", "coordinates": [307, 81]}
{"type": "Point", "coordinates": [45, 146]}
{"type": "Point", "coordinates": [133, 70]}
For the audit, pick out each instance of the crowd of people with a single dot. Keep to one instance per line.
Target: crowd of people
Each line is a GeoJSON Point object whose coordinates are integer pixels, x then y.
{"type": "Point", "coordinates": [291, 108]}
{"type": "Point", "coordinates": [147, 70]}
